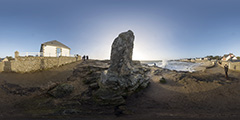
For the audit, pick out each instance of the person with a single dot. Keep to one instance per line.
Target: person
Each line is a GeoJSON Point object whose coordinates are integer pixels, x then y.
{"type": "Point", "coordinates": [87, 57]}
{"type": "Point", "coordinates": [83, 58]}
{"type": "Point", "coordinates": [226, 71]}
{"type": "Point", "coordinates": [77, 57]}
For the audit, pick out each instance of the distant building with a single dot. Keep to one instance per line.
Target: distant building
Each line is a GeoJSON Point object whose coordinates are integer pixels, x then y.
{"type": "Point", "coordinates": [198, 59]}
{"type": "Point", "coordinates": [3, 59]}
{"type": "Point", "coordinates": [54, 49]}
{"type": "Point", "coordinates": [206, 58]}
{"type": "Point", "coordinates": [193, 59]}
{"type": "Point", "coordinates": [228, 57]}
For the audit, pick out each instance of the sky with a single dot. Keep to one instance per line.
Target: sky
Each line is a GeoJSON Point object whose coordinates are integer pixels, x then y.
{"type": "Point", "coordinates": [163, 29]}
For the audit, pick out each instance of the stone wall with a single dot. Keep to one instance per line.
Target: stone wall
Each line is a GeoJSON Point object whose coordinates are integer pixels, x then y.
{"type": "Point", "coordinates": [231, 65]}
{"type": "Point", "coordinates": [29, 64]}
{"type": "Point", "coordinates": [1, 66]}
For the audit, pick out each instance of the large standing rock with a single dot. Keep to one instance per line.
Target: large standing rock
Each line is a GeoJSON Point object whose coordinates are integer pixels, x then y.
{"type": "Point", "coordinates": [121, 54]}
{"type": "Point", "coordinates": [124, 76]}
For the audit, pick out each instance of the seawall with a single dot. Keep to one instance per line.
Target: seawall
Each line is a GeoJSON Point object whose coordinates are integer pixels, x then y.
{"type": "Point", "coordinates": [29, 64]}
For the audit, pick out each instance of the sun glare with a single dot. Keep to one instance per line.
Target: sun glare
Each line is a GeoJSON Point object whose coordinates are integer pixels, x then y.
{"type": "Point", "coordinates": [138, 56]}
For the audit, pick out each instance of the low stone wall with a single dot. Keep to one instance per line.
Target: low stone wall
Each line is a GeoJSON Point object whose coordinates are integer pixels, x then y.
{"type": "Point", "coordinates": [1, 66]}
{"type": "Point", "coordinates": [29, 64]}
{"type": "Point", "coordinates": [231, 65]}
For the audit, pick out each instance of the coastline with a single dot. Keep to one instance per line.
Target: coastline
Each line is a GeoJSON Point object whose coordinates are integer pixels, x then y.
{"type": "Point", "coordinates": [204, 65]}
{"type": "Point", "coordinates": [199, 66]}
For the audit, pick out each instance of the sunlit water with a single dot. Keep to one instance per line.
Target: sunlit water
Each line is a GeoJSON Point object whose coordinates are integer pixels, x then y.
{"type": "Point", "coordinates": [174, 65]}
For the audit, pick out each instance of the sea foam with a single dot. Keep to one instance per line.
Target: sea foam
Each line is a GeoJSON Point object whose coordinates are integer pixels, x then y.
{"type": "Point", "coordinates": [175, 65]}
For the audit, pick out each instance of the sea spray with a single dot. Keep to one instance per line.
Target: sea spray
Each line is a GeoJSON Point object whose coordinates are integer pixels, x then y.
{"type": "Point", "coordinates": [164, 63]}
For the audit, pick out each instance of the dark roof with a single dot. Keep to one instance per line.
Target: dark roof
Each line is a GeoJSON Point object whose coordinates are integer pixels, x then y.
{"type": "Point", "coordinates": [226, 55]}
{"type": "Point", "coordinates": [56, 43]}
{"type": "Point", "coordinates": [1, 59]}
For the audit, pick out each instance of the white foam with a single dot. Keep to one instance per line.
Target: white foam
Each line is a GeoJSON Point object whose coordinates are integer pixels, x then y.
{"type": "Point", "coordinates": [176, 65]}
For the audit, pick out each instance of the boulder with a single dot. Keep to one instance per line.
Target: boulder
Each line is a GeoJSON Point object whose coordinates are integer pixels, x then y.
{"type": "Point", "coordinates": [61, 90]}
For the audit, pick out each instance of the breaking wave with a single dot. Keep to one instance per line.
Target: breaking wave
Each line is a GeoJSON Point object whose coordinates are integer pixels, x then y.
{"type": "Point", "coordinates": [175, 65]}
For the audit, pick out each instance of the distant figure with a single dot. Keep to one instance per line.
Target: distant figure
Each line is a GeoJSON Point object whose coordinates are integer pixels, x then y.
{"type": "Point", "coordinates": [77, 57]}
{"type": "Point", "coordinates": [154, 64]}
{"type": "Point", "coordinates": [83, 58]}
{"type": "Point", "coordinates": [226, 71]}
{"type": "Point", "coordinates": [87, 57]}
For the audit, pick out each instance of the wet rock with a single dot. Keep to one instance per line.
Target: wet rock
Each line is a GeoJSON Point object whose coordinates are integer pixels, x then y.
{"type": "Point", "coordinates": [61, 90]}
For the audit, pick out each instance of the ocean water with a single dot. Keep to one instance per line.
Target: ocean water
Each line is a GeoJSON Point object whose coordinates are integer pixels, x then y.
{"type": "Point", "coordinates": [174, 65]}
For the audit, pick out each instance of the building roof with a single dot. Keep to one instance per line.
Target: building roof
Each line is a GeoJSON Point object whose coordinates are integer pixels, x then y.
{"type": "Point", "coordinates": [226, 55]}
{"type": "Point", "coordinates": [3, 59]}
{"type": "Point", "coordinates": [56, 43]}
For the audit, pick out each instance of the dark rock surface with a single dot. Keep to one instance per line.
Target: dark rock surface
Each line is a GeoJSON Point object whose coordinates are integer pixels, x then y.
{"type": "Point", "coordinates": [61, 90]}
{"type": "Point", "coordinates": [18, 90]}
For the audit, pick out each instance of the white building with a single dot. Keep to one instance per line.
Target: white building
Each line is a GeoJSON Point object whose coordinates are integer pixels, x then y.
{"type": "Point", "coordinates": [54, 49]}
{"type": "Point", "coordinates": [228, 57]}
{"type": "Point", "coordinates": [3, 59]}
{"type": "Point", "coordinates": [199, 59]}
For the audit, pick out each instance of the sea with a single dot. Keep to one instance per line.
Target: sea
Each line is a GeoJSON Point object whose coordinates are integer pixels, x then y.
{"type": "Point", "coordinates": [173, 65]}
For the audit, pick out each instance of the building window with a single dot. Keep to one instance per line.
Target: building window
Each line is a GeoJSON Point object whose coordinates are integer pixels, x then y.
{"type": "Point", "coordinates": [59, 52]}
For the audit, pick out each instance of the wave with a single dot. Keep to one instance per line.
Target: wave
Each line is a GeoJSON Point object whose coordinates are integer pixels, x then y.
{"type": "Point", "coordinates": [175, 65]}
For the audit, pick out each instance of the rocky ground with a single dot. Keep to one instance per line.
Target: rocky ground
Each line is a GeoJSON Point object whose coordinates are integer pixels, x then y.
{"type": "Point", "coordinates": [170, 95]}
{"type": "Point", "coordinates": [198, 95]}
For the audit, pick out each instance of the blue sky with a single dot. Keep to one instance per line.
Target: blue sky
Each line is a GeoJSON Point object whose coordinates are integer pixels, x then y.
{"type": "Point", "coordinates": [164, 29]}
